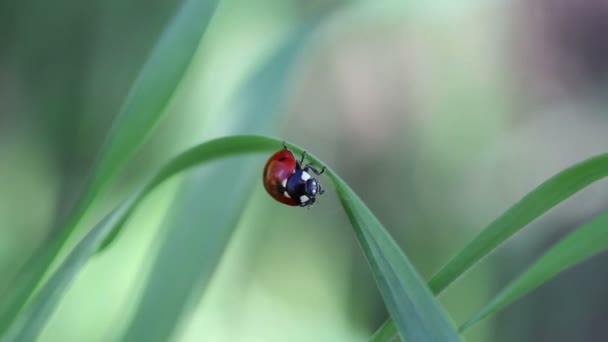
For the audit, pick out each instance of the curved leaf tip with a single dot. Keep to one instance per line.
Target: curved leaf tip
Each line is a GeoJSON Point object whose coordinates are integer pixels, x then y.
{"type": "Point", "coordinates": [537, 202]}
{"type": "Point", "coordinates": [419, 317]}
{"type": "Point", "coordinates": [587, 240]}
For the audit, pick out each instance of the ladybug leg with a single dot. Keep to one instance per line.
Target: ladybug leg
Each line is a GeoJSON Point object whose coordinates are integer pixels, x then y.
{"type": "Point", "coordinates": [321, 191]}
{"type": "Point", "coordinates": [314, 169]}
{"type": "Point", "coordinates": [310, 203]}
{"type": "Point", "coordinates": [303, 157]}
{"type": "Point", "coordinates": [285, 146]}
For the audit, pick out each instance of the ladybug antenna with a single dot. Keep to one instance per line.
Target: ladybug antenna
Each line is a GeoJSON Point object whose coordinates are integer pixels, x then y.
{"type": "Point", "coordinates": [285, 146]}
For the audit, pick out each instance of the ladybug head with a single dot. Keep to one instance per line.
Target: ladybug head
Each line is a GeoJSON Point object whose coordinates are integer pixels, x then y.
{"type": "Point", "coordinates": [313, 188]}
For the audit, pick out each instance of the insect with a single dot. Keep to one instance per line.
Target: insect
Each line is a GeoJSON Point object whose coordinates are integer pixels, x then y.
{"type": "Point", "coordinates": [288, 182]}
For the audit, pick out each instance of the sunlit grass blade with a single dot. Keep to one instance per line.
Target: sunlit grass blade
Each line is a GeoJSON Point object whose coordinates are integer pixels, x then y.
{"type": "Point", "coordinates": [146, 102]}
{"type": "Point", "coordinates": [547, 195]}
{"type": "Point", "coordinates": [586, 241]}
{"type": "Point", "coordinates": [419, 316]}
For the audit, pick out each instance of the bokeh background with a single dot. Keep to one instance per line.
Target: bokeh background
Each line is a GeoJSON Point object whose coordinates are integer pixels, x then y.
{"type": "Point", "coordinates": [439, 114]}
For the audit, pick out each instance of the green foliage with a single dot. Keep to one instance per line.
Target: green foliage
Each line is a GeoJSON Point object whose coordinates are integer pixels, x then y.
{"type": "Point", "coordinates": [586, 241]}
{"type": "Point", "coordinates": [188, 257]}
{"type": "Point", "coordinates": [417, 313]}
{"type": "Point", "coordinates": [419, 316]}
{"type": "Point", "coordinates": [143, 108]}
{"type": "Point", "coordinates": [201, 225]}
{"type": "Point", "coordinates": [30, 322]}
{"type": "Point", "coordinates": [546, 196]}
{"type": "Point", "coordinates": [555, 190]}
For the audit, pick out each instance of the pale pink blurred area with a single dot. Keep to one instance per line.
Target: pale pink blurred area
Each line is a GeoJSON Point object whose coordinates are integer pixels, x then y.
{"type": "Point", "coordinates": [461, 114]}
{"type": "Point", "coordinates": [563, 48]}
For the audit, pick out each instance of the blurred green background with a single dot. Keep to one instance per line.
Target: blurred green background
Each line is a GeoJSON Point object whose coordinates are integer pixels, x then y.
{"type": "Point", "coordinates": [439, 114]}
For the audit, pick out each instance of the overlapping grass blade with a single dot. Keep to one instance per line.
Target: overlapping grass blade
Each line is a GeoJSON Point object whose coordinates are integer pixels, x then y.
{"type": "Point", "coordinates": [386, 333]}
{"type": "Point", "coordinates": [209, 204]}
{"type": "Point", "coordinates": [418, 314]}
{"type": "Point", "coordinates": [260, 95]}
{"type": "Point", "coordinates": [587, 240]}
{"type": "Point", "coordinates": [31, 320]}
{"type": "Point", "coordinates": [149, 96]}
{"type": "Point", "coordinates": [547, 195]}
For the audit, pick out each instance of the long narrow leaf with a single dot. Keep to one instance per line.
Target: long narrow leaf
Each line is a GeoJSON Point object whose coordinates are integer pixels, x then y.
{"type": "Point", "coordinates": [200, 226]}
{"type": "Point", "coordinates": [386, 333]}
{"type": "Point", "coordinates": [547, 195]}
{"type": "Point", "coordinates": [30, 321]}
{"type": "Point", "coordinates": [260, 95]}
{"type": "Point", "coordinates": [586, 241]}
{"type": "Point", "coordinates": [419, 316]}
{"type": "Point", "coordinates": [148, 97]}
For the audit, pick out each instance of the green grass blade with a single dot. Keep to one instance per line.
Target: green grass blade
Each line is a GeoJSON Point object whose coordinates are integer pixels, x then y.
{"type": "Point", "coordinates": [199, 225]}
{"type": "Point", "coordinates": [555, 190]}
{"type": "Point", "coordinates": [418, 315]}
{"type": "Point", "coordinates": [547, 195]}
{"type": "Point", "coordinates": [260, 95]}
{"type": "Point", "coordinates": [148, 97]}
{"type": "Point", "coordinates": [152, 90]}
{"type": "Point", "coordinates": [586, 241]}
{"type": "Point", "coordinates": [386, 333]}
{"type": "Point", "coordinates": [31, 320]}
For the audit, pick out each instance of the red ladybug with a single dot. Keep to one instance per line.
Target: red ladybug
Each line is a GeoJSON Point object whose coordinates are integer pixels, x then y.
{"type": "Point", "coordinates": [288, 182]}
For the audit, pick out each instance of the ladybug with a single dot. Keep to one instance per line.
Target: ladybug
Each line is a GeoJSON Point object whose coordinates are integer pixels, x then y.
{"type": "Point", "coordinates": [288, 182]}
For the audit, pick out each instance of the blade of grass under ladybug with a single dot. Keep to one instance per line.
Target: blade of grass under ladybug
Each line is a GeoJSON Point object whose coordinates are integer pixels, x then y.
{"type": "Point", "coordinates": [209, 205]}
{"type": "Point", "coordinates": [261, 93]}
{"type": "Point", "coordinates": [142, 110]}
{"type": "Point", "coordinates": [537, 202]}
{"type": "Point", "coordinates": [419, 316]}
{"type": "Point", "coordinates": [31, 322]}
{"type": "Point", "coordinates": [586, 241]}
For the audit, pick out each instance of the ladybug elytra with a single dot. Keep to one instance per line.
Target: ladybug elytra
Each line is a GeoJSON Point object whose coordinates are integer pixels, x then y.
{"type": "Point", "coordinates": [289, 182]}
